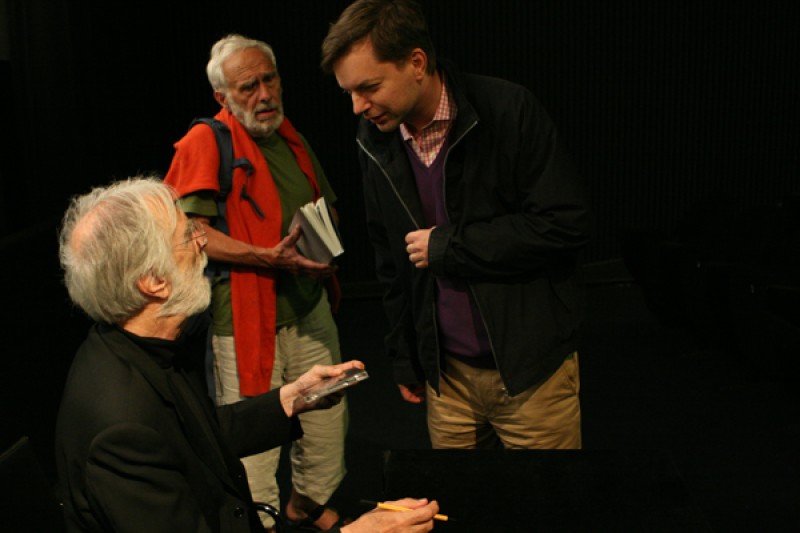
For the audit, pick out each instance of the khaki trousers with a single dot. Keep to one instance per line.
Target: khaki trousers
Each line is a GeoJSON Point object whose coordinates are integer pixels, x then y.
{"type": "Point", "coordinates": [474, 410]}
{"type": "Point", "coordinates": [317, 459]}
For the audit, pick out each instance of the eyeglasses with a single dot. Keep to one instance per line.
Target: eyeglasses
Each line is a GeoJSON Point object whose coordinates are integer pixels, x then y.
{"type": "Point", "coordinates": [196, 231]}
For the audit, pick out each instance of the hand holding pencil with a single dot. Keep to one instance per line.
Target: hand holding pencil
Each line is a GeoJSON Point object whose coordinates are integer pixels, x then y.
{"type": "Point", "coordinates": [416, 516]}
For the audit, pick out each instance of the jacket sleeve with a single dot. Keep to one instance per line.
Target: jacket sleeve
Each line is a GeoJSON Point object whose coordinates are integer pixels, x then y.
{"type": "Point", "coordinates": [400, 341]}
{"type": "Point", "coordinates": [134, 483]}
{"type": "Point", "coordinates": [257, 424]}
{"type": "Point", "coordinates": [535, 212]}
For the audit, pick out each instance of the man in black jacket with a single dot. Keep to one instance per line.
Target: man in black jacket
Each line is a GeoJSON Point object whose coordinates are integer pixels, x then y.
{"type": "Point", "coordinates": [477, 218]}
{"type": "Point", "coordinates": [139, 445]}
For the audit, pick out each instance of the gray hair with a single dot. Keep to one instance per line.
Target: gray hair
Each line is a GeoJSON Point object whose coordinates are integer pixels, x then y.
{"type": "Point", "coordinates": [112, 237]}
{"type": "Point", "coordinates": [223, 49]}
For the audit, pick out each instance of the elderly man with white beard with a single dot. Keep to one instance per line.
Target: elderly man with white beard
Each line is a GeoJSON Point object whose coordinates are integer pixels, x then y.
{"type": "Point", "coordinates": [271, 313]}
{"type": "Point", "coordinates": [139, 444]}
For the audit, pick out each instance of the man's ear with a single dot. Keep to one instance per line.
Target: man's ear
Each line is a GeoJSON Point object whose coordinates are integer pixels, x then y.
{"type": "Point", "coordinates": [219, 96]}
{"type": "Point", "coordinates": [153, 287]}
{"type": "Point", "coordinates": [419, 61]}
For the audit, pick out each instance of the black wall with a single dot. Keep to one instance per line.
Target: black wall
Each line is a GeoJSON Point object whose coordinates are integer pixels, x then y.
{"type": "Point", "coordinates": [661, 104]}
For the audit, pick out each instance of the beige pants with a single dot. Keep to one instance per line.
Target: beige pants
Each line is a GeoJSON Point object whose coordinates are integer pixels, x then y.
{"type": "Point", "coordinates": [474, 411]}
{"type": "Point", "coordinates": [317, 459]}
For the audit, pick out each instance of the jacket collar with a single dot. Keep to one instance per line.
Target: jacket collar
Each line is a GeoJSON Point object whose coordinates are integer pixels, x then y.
{"type": "Point", "coordinates": [467, 116]}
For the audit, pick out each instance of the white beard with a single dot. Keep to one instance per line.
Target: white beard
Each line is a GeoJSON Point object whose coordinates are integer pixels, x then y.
{"type": "Point", "coordinates": [191, 291]}
{"type": "Point", "coordinates": [255, 127]}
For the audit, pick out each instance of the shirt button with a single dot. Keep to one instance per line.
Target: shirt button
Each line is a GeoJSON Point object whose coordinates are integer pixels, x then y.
{"type": "Point", "coordinates": [238, 512]}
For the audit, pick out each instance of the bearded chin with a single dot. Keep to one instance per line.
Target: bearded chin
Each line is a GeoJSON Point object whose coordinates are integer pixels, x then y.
{"type": "Point", "coordinates": [191, 292]}
{"type": "Point", "coordinates": [255, 127]}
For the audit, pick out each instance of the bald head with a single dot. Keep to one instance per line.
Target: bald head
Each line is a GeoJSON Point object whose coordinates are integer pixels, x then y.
{"type": "Point", "coordinates": [110, 238]}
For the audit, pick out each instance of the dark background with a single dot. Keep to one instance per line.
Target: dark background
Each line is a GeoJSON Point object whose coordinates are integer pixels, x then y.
{"type": "Point", "coordinates": [662, 104]}
{"type": "Point", "coordinates": [682, 117]}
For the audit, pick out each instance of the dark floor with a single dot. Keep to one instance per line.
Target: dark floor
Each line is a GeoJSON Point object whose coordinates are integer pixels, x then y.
{"type": "Point", "coordinates": [730, 422]}
{"type": "Point", "coordinates": [732, 433]}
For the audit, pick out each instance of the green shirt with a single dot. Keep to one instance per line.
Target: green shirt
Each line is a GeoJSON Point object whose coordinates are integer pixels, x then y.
{"type": "Point", "coordinates": [296, 295]}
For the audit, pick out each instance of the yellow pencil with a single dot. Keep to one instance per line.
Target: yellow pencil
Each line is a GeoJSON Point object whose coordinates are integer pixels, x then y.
{"type": "Point", "coordinates": [390, 507]}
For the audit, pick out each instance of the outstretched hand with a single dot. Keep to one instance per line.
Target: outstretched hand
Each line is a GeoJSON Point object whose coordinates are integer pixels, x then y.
{"type": "Point", "coordinates": [292, 394]}
{"type": "Point", "coordinates": [285, 256]}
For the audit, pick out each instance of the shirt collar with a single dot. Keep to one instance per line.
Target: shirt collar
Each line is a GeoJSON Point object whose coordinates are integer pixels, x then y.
{"type": "Point", "coordinates": [445, 111]}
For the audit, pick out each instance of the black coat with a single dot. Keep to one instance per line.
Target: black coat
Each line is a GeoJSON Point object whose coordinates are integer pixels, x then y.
{"type": "Point", "coordinates": [518, 218]}
{"type": "Point", "coordinates": [139, 446]}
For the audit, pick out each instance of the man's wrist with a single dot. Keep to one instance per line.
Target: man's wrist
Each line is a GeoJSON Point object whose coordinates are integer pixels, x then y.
{"type": "Point", "coordinates": [288, 395]}
{"type": "Point", "coordinates": [263, 257]}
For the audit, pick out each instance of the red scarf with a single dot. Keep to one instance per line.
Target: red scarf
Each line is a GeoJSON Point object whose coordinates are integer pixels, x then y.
{"type": "Point", "coordinates": [195, 168]}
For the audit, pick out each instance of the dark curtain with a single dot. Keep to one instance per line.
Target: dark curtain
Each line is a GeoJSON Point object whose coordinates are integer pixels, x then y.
{"type": "Point", "coordinates": [661, 105]}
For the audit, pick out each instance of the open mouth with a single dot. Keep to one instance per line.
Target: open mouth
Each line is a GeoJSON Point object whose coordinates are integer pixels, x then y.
{"type": "Point", "coordinates": [380, 119]}
{"type": "Point", "coordinates": [265, 113]}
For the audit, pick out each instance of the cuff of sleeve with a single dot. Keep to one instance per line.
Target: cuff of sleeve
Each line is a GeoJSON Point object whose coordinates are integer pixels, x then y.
{"type": "Point", "coordinates": [404, 374]}
{"type": "Point", "coordinates": [437, 248]}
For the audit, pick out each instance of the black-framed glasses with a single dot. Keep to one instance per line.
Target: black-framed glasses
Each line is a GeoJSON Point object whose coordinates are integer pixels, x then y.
{"type": "Point", "coordinates": [196, 231]}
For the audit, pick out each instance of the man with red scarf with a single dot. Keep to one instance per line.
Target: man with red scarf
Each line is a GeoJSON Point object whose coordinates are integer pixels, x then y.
{"type": "Point", "coordinates": [271, 316]}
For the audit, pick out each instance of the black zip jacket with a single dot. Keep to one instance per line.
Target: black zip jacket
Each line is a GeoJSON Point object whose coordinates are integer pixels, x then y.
{"type": "Point", "coordinates": [519, 218]}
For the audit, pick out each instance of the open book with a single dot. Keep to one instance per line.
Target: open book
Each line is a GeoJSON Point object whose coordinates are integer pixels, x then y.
{"type": "Point", "coordinates": [320, 239]}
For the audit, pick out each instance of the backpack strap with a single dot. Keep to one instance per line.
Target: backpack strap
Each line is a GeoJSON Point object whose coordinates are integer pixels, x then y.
{"type": "Point", "coordinates": [227, 164]}
{"type": "Point", "coordinates": [225, 176]}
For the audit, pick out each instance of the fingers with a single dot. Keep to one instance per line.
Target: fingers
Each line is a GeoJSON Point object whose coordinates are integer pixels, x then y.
{"type": "Point", "coordinates": [291, 239]}
{"type": "Point", "coordinates": [319, 373]}
{"type": "Point", "coordinates": [414, 393]}
{"type": "Point", "coordinates": [406, 515]}
{"type": "Point", "coordinates": [307, 267]}
{"type": "Point", "coordinates": [418, 262]}
{"type": "Point", "coordinates": [420, 513]}
{"type": "Point", "coordinates": [289, 259]}
{"type": "Point", "coordinates": [418, 258]}
{"type": "Point", "coordinates": [335, 370]}
{"type": "Point", "coordinates": [354, 363]}
{"type": "Point", "coordinates": [325, 402]}
{"type": "Point", "coordinates": [417, 247]}
{"type": "Point", "coordinates": [322, 372]}
{"type": "Point", "coordinates": [411, 503]}
{"type": "Point", "coordinates": [318, 376]}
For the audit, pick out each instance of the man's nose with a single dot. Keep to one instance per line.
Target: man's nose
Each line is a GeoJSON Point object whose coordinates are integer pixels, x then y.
{"type": "Point", "coordinates": [265, 91]}
{"type": "Point", "coordinates": [360, 104]}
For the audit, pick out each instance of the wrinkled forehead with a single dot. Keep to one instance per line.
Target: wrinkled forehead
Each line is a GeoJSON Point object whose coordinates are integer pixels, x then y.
{"type": "Point", "coordinates": [246, 62]}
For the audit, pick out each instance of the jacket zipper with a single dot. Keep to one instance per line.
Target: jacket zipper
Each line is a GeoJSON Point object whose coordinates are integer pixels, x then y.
{"type": "Point", "coordinates": [416, 225]}
{"type": "Point", "coordinates": [386, 175]}
{"type": "Point", "coordinates": [471, 289]}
